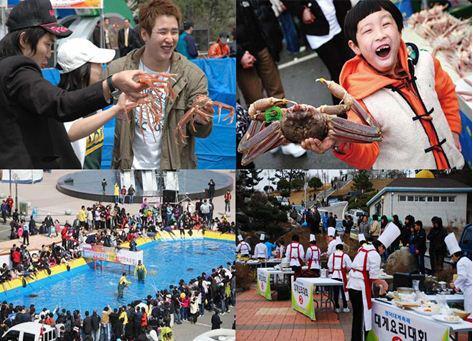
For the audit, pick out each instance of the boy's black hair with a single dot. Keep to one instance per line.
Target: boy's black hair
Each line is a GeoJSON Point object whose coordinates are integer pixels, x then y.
{"type": "Point", "coordinates": [364, 8]}
{"type": "Point", "coordinates": [339, 247]}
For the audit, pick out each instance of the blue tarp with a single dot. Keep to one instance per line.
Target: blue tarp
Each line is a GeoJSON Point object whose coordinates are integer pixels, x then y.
{"type": "Point", "coordinates": [465, 138]}
{"type": "Point", "coordinates": [217, 151]}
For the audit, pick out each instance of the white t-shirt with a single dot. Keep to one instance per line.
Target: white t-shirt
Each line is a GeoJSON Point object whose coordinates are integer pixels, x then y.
{"type": "Point", "coordinates": [330, 14]}
{"type": "Point", "coordinates": [147, 142]}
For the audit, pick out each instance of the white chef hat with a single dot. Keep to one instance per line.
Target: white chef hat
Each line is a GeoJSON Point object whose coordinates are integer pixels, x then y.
{"type": "Point", "coordinates": [338, 240]}
{"type": "Point", "coordinates": [361, 237]}
{"type": "Point", "coordinates": [391, 232]}
{"type": "Point", "coordinates": [331, 231]}
{"type": "Point", "coordinates": [240, 238]}
{"type": "Point", "coordinates": [262, 237]}
{"type": "Point", "coordinates": [452, 244]}
{"type": "Point", "coordinates": [312, 237]}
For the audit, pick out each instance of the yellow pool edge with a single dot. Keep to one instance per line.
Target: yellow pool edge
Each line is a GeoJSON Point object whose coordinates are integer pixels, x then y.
{"type": "Point", "coordinates": [75, 263]}
{"type": "Point", "coordinates": [57, 269]}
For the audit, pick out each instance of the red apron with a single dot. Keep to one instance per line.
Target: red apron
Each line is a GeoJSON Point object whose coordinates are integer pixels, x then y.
{"type": "Point", "coordinates": [343, 270]}
{"type": "Point", "coordinates": [366, 278]}
{"type": "Point", "coordinates": [312, 256]}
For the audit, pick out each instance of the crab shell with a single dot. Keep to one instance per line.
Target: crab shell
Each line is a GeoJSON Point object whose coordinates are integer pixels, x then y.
{"type": "Point", "coordinates": [298, 125]}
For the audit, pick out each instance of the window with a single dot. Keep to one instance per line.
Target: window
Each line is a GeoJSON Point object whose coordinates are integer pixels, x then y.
{"type": "Point", "coordinates": [28, 337]}
{"type": "Point", "coordinates": [422, 198]}
{"type": "Point", "coordinates": [436, 198]}
{"type": "Point", "coordinates": [430, 199]}
{"type": "Point", "coordinates": [443, 198]}
{"type": "Point", "coordinates": [13, 335]}
{"type": "Point", "coordinates": [410, 198]}
{"type": "Point", "coordinates": [402, 198]}
{"type": "Point", "coordinates": [451, 199]}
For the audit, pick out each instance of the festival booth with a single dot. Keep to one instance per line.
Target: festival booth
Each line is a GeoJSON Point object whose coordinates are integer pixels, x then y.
{"type": "Point", "coordinates": [390, 320]}
{"type": "Point", "coordinates": [304, 298]}
{"type": "Point", "coordinates": [269, 280]}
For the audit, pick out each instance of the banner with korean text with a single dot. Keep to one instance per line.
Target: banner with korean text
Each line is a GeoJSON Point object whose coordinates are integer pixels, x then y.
{"type": "Point", "coordinates": [110, 254]}
{"type": "Point", "coordinates": [263, 283]}
{"type": "Point", "coordinates": [301, 297]}
{"type": "Point", "coordinates": [393, 323]}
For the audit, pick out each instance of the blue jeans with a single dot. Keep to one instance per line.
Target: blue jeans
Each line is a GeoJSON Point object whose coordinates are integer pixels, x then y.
{"type": "Point", "coordinates": [289, 31]}
{"type": "Point", "coordinates": [177, 316]}
{"type": "Point", "coordinates": [201, 309]}
{"type": "Point", "coordinates": [105, 332]}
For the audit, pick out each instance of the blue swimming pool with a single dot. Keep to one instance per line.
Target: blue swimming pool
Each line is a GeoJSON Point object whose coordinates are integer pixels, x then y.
{"type": "Point", "coordinates": [84, 288]}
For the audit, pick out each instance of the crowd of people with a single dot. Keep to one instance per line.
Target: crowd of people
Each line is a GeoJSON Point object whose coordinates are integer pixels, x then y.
{"type": "Point", "coordinates": [111, 225]}
{"type": "Point", "coordinates": [149, 319]}
{"type": "Point", "coordinates": [368, 260]}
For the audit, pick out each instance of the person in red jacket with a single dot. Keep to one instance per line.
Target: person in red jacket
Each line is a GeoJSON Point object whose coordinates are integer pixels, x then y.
{"type": "Point", "coordinates": [404, 89]}
{"type": "Point", "coordinates": [219, 49]}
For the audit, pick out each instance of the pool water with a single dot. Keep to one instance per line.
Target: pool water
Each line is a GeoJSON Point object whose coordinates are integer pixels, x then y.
{"type": "Point", "coordinates": [84, 288]}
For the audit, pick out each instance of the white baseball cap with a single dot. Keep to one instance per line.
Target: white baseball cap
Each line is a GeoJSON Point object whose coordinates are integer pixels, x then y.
{"type": "Point", "coordinates": [75, 52]}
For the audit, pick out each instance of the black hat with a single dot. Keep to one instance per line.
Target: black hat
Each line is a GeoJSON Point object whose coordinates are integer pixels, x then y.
{"type": "Point", "coordinates": [36, 13]}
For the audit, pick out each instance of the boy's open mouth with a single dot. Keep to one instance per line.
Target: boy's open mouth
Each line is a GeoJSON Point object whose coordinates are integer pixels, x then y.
{"type": "Point", "coordinates": [383, 50]}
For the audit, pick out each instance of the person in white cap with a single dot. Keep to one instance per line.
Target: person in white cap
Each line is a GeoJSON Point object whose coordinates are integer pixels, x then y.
{"type": "Point", "coordinates": [339, 264]}
{"type": "Point", "coordinates": [361, 240]}
{"type": "Point", "coordinates": [81, 65]}
{"type": "Point", "coordinates": [243, 249]}
{"type": "Point", "coordinates": [331, 240]}
{"type": "Point", "coordinates": [312, 257]}
{"type": "Point", "coordinates": [463, 264]}
{"type": "Point", "coordinates": [294, 254]}
{"type": "Point", "coordinates": [261, 251]}
{"type": "Point", "coordinates": [365, 270]}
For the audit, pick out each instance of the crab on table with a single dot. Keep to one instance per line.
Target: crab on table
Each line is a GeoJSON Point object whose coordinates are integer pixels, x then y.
{"type": "Point", "coordinates": [202, 108]}
{"type": "Point", "coordinates": [274, 124]}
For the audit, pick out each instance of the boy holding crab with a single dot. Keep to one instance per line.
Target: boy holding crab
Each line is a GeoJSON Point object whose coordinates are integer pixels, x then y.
{"type": "Point", "coordinates": [404, 89]}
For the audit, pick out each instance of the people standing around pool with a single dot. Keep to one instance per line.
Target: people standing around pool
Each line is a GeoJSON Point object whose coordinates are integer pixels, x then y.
{"type": "Point", "coordinates": [123, 282]}
{"type": "Point", "coordinates": [140, 272]}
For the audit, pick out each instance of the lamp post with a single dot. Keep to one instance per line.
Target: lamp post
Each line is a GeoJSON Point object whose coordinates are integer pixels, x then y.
{"type": "Point", "coordinates": [392, 199]}
{"type": "Point", "coordinates": [382, 204]}
{"type": "Point", "coordinates": [15, 177]}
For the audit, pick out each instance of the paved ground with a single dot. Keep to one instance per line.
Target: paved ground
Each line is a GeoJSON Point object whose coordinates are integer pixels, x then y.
{"type": "Point", "coordinates": [258, 319]}
{"type": "Point", "coordinates": [188, 331]}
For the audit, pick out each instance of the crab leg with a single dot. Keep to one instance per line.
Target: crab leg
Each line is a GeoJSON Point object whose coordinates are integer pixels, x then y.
{"type": "Point", "coordinates": [254, 128]}
{"type": "Point", "coordinates": [221, 106]}
{"type": "Point", "coordinates": [338, 91]}
{"type": "Point", "coordinates": [267, 139]}
{"type": "Point", "coordinates": [356, 132]}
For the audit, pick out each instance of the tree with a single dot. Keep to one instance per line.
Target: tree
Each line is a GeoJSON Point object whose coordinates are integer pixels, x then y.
{"type": "Point", "coordinates": [315, 183]}
{"type": "Point", "coordinates": [297, 184]}
{"type": "Point", "coordinates": [248, 179]}
{"type": "Point", "coordinates": [290, 175]}
{"type": "Point", "coordinates": [283, 184]}
{"type": "Point", "coordinates": [215, 15]}
{"type": "Point", "coordinates": [362, 183]}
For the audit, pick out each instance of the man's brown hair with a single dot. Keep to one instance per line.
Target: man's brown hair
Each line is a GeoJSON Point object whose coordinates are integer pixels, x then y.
{"type": "Point", "coordinates": [154, 8]}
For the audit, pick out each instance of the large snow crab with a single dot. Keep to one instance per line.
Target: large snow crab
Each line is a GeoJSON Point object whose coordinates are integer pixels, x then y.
{"type": "Point", "coordinates": [274, 125]}
{"type": "Point", "coordinates": [202, 107]}
{"type": "Point", "coordinates": [158, 87]}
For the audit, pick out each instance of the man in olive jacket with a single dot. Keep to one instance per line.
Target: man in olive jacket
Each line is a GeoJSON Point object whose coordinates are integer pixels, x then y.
{"type": "Point", "coordinates": [159, 22]}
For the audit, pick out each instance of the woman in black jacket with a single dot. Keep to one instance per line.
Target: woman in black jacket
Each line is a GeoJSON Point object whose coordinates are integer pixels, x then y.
{"type": "Point", "coordinates": [437, 247]}
{"type": "Point", "coordinates": [32, 134]}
